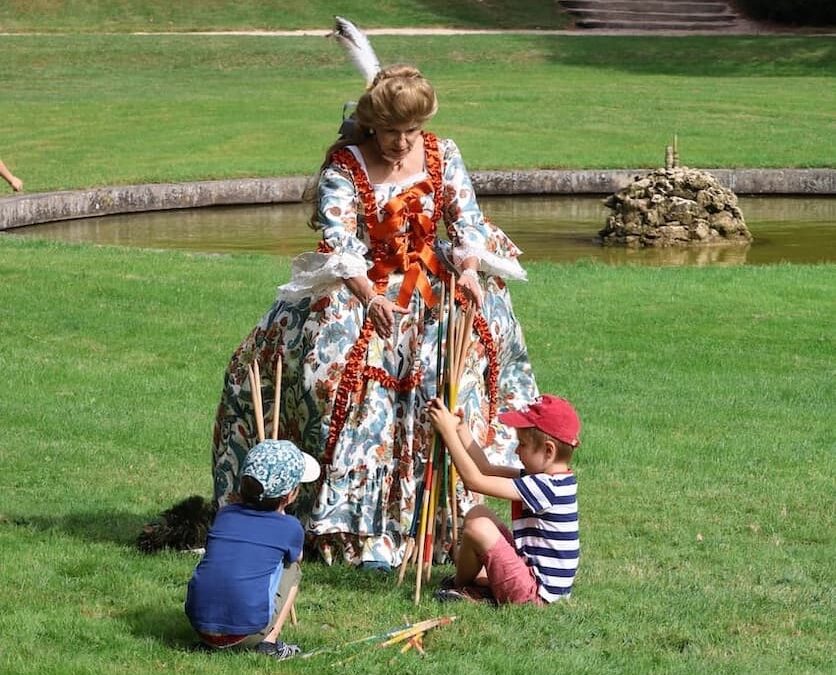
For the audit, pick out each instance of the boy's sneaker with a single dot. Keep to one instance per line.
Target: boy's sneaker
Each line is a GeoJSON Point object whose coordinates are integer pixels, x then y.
{"type": "Point", "coordinates": [278, 650]}
{"type": "Point", "coordinates": [448, 582]}
{"type": "Point", "coordinates": [466, 594]}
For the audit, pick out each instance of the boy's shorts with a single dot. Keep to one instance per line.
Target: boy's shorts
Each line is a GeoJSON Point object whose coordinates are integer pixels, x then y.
{"type": "Point", "coordinates": [290, 577]}
{"type": "Point", "coordinates": [512, 581]}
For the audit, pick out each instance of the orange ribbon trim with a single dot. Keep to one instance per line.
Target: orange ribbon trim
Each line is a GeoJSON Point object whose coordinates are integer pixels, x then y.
{"type": "Point", "coordinates": [403, 242]}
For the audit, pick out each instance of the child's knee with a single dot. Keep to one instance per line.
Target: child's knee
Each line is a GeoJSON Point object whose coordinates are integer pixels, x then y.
{"type": "Point", "coordinates": [481, 529]}
{"type": "Point", "coordinates": [294, 572]}
{"type": "Point", "coordinates": [291, 576]}
{"type": "Point", "coordinates": [478, 511]}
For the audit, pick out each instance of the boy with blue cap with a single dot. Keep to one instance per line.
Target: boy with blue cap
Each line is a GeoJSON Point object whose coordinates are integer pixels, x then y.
{"type": "Point", "coordinates": [243, 589]}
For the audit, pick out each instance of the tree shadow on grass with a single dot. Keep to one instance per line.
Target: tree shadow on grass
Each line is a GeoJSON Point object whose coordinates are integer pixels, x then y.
{"type": "Point", "coordinates": [112, 527]}
{"type": "Point", "coordinates": [697, 55]}
{"type": "Point", "coordinates": [164, 623]}
{"type": "Point", "coordinates": [499, 14]}
{"type": "Point", "coordinates": [168, 626]}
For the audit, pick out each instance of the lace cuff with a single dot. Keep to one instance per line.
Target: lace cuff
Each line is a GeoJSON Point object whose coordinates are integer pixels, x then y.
{"type": "Point", "coordinates": [315, 274]}
{"type": "Point", "coordinates": [491, 263]}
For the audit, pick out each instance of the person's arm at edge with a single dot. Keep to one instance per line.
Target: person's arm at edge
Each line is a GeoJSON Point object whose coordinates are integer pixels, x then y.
{"type": "Point", "coordinates": [15, 182]}
{"type": "Point", "coordinates": [494, 486]}
{"type": "Point", "coordinates": [299, 543]}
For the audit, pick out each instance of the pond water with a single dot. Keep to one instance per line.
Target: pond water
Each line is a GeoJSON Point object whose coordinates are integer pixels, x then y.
{"type": "Point", "coordinates": [561, 229]}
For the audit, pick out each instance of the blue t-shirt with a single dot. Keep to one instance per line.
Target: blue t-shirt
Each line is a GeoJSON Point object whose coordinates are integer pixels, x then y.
{"type": "Point", "coordinates": [233, 588]}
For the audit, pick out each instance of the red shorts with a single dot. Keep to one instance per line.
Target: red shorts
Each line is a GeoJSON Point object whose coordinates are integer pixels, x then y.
{"type": "Point", "coordinates": [510, 579]}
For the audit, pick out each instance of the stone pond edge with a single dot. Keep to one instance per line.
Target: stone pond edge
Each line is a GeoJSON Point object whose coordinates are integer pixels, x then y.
{"type": "Point", "coordinates": [45, 207]}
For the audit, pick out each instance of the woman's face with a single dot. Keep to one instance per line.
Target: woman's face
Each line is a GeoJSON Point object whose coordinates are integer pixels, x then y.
{"type": "Point", "coordinates": [395, 142]}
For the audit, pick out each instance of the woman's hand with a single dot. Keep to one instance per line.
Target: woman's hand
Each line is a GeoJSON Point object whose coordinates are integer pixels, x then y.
{"type": "Point", "coordinates": [378, 309]}
{"type": "Point", "coordinates": [382, 314]}
{"type": "Point", "coordinates": [468, 281]}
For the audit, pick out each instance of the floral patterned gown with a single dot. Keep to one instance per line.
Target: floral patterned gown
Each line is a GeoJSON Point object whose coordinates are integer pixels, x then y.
{"type": "Point", "coordinates": [354, 400]}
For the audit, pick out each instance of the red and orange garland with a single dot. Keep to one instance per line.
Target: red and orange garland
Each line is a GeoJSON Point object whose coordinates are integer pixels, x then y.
{"type": "Point", "coordinates": [349, 382]}
{"type": "Point", "coordinates": [483, 331]}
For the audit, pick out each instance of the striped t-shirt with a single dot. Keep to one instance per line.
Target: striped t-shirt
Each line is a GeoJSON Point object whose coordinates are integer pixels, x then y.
{"type": "Point", "coordinates": [545, 525]}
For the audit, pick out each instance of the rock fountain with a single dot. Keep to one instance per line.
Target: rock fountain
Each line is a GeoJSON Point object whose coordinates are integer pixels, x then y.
{"type": "Point", "coordinates": [674, 206]}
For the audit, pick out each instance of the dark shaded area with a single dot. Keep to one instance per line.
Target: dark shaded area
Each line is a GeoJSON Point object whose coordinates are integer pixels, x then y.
{"type": "Point", "coordinates": [695, 56]}
{"type": "Point", "coordinates": [793, 12]}
{"type": "Point", "coordinates": [699, 56]}
{"type": "Point", "coordinates": [169, 627]}
{"type": "Point", "coordinates": [498, 14]}
{"type": "Point", "coordinates": [96, 526]}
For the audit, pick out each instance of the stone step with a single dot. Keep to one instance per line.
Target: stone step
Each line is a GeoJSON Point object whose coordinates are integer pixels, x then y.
{"type": "Point", "coordinates": [649, 15]}
{"type": "Point", "coordinates": [672, 6]}
{"type": "Point", "coordinates": [684, 25]}
{"type": "Point", "coordinates": [653, 17]}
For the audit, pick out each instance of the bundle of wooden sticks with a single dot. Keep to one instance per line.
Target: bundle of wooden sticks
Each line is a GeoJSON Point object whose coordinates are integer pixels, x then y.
{"type": "Point", "coordinates": [254, 373]}
{"type": "Point", "coordinates": [410, 636]}
{"type": "Point", "coordinates": [436, 501]}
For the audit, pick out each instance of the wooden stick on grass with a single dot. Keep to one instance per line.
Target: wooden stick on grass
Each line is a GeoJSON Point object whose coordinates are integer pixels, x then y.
{"type": "Point", "coordinates": [408, 556]}
{"type": "Point", "coordinates": [417, 629]}
{"type": "Point", "coordinates": [278, 398]}
{"type": "Point", "coordinates": [255, 390]}
{"type": "Point", "coordinates": [402, 632]}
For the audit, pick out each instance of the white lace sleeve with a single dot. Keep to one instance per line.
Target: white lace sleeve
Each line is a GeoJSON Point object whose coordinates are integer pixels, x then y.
{"type": "Point", "coordinates": [472, 234]}
{"type": "Point", "coordinates": [314, 274]}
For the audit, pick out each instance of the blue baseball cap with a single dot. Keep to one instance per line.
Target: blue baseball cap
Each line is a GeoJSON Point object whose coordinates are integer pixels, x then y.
{"type": "Point", "coordinates": [279, 466]}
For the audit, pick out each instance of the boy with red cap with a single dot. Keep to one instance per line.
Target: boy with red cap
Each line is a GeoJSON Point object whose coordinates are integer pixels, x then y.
{"type": "Point", "coordinates": [537, 563]}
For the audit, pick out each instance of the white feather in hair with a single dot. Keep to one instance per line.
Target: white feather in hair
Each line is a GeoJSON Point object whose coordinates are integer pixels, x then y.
{"type": "Point", "coordinates": [358, 47]}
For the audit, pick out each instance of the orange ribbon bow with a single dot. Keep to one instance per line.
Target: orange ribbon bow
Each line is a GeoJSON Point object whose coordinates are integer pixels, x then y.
{"type": "Point", "coordinates": [403, 241]}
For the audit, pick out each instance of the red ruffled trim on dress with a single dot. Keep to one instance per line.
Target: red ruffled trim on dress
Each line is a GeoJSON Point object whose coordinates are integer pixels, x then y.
{"type": "Point", "coordinates": [483, 332]}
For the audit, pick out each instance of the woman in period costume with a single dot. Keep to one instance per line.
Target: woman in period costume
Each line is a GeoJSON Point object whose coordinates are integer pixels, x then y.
{"type": "Point", "coordinates": [356, 328]}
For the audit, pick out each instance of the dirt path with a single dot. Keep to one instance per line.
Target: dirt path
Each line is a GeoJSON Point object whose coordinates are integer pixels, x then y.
{"type": "Point", "coordinates": [750, 28]}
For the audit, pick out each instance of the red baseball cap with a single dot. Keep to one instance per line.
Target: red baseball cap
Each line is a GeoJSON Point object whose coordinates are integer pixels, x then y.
{"type": "Point", "coordinates": [552, 415]}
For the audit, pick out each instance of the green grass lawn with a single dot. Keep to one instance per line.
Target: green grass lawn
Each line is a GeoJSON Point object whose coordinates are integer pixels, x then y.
{"type": "Point", "coordinates": [185, 15]}
{"type": "Point", "coordinates": [88, 110]}
{"type": "Point", "coordinates": [706, 473]}
{"type": "Point", "coordinates": [707, 469]}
